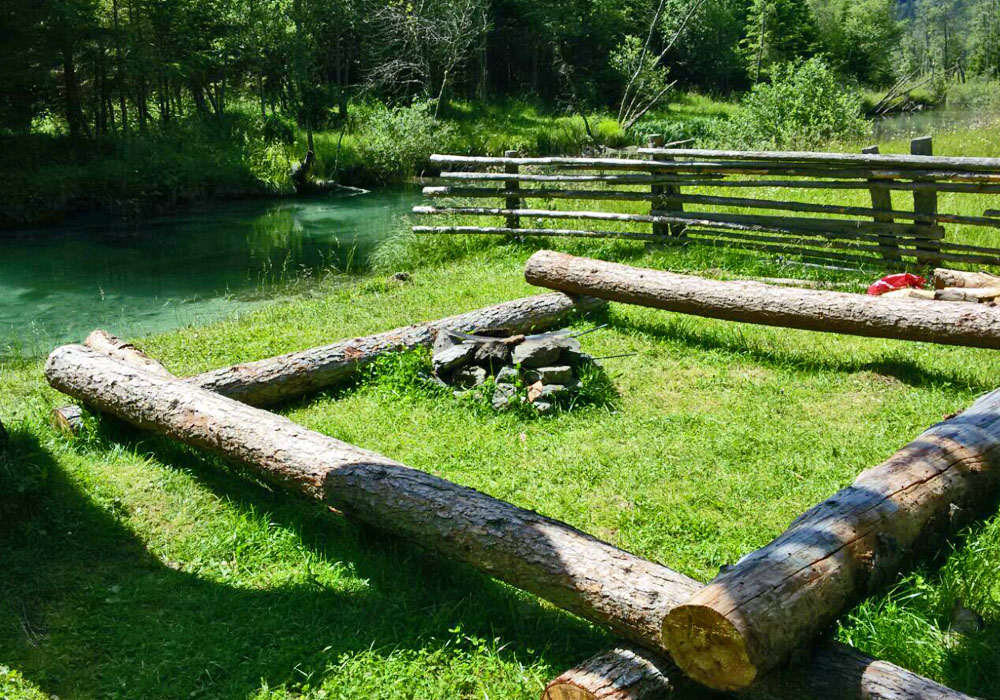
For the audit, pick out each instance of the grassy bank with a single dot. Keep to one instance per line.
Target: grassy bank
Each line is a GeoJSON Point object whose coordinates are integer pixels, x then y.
{"type": "Point", "coordinates": [135, 568]}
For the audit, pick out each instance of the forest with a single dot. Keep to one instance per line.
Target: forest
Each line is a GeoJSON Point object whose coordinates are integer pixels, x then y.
{"type": "Point", "coordinates": [88, 86]}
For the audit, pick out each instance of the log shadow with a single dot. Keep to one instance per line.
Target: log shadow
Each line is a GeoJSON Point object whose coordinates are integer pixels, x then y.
{"type": "Point", "coordinates": [90, 611]}
{"type": "Point", "coordinates": [685, 330]}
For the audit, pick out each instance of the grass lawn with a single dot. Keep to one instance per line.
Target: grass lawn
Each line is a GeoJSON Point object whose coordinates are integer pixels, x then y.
{"type": "Point", "coordinates": [144, 569]}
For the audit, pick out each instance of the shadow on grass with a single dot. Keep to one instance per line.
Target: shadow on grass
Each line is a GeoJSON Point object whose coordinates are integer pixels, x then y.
{"type": "Point", "coordinates": [90, 612]}
{"type": "Point", "coordinates": [687, 330]}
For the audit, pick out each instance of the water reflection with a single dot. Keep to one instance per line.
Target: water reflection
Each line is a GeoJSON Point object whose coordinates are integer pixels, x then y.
{"type": "Point", "coordinates": [58, 284]}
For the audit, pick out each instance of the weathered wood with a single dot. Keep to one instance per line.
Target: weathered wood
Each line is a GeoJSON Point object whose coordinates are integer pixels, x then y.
{"type": "Point", "coordinates": [881, 203]}
{"type": "Point", "coordinates": [924, 202]}
{"type": "Point", "coordinates": [575, 571]}
{"type": "Point", "coordinates": [971, 294]}
{"type": "Point", "coordinates": [917, 161]}
{"type": "Point", "coordinates": [513, 201]}
{"type": "Point", "coordinates": [637, 673]}
{"type": "Point", "coordinates": [752, 302]}
{"type": "Point", "coordinates": [622, 673]}
{"type": "Point", "coordinates": [746, 222]}
{"type": "Point", "coordinates": [115, 347]}
{"type": "Point", "coordinates": [887, 214]}
{"type": "Point", "coordinates": [295, 374]}
{"type": "Point", "coordinates": [663, 200]}
{"type": "Point", "coordinates": [943, 277]}
{"type": "Point", "coordinates": [708, 180]}
{"type": "Point", "coordinates": [748, 167]}
{"type": "Point", "coordinates": [555, 232]}
{"type": "Point", "coordinates": [67, 419]}
{"type": "Point", "coordinates": [752, 617]}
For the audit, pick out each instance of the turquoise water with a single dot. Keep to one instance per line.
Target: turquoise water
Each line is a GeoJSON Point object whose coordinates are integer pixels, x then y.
{"type": "Point", "coordinates": [58, 284]}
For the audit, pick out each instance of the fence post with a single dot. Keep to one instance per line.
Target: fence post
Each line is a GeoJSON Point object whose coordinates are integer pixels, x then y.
{"type": "Point", "coordinates": [882, 199]}
{"type": "Point", "coordinates": [662, 204]}
{"type": "Point", "coordinates": [512, 201]}
{"type": "Point", "coordinates": [924, 201]}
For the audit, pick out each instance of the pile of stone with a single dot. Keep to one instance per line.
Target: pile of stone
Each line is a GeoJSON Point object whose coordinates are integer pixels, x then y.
{"type": "Point", "coordinates": [527, 369]}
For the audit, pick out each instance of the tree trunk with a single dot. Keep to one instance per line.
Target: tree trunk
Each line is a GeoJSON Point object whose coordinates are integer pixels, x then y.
{"type": "Point", "coordinates": [550, 559]}
{"type": "Point", "coordinates": [775, 601]}
{"type": "Point", "coordinates": [291, 376]}
{"type": "Point", "coordinates": [71, 96]}
{"type": "Point", "coordinates": [831, 672]}
{"type": "Point", "coordinates": [270, 381]}
{"type": "Point", "coordinates": [622, 673]}
{"type": "Point", "coordinates": [575, 571]}
{"type": "Point", "coordinates": [753, 302]}
{"type": "Point", "coordinates": [944, 277]}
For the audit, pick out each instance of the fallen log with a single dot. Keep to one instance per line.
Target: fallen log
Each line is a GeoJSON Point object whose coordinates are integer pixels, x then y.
{"type": "Point", "coordinates": [622, 673]}
{"type": "Point", "coordinates": [636, 673]}
{"type": "Point", "coordinates": [753, 302]}
{"type": "Point", "coordinates": [943, 277]}
{"type": "Point", "coordinates": [776, 600]}
{"type": "Point", "coordinates": [295, 374]}
{"type": "Point", "coordinates": [575, 571]}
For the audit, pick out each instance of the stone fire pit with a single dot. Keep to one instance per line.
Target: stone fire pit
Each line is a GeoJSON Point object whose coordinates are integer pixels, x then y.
{"type": "Point", "coordinates": [535, 369]}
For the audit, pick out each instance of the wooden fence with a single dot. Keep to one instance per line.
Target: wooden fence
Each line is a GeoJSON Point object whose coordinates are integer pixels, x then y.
{"type": "Point", "coordinates": [876, 233]}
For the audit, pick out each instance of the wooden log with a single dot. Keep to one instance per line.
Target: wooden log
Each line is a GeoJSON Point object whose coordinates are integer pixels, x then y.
{"type": "Point", "coordinates": [924, 202]}
{"type": "Point", "coordinates": [752, 617]}
{"type": "Point", "coordinates": [971, 294]}
{"type": "Point", "coordinates": [555, 232]}
{"type": "Point", "coordinates": [636, 673]}
{"type": "Point", "coordinates": [885, 160]}
{"type": "Point", "coordinates": [880, 214]}
{"type": "Point", "coordinates": [67, 419]}
{"type": "Point", "coordinates": [709, 180]}
{"type": "Point", "coordinates": [943, 277]}
{"type": "Point", "coordinates": [731, 167]}
{"type": "Point", "coordinates": [748, 222]}
{"type": "Point", "coordinates": [514, 201]}
{"type": "Point", "coordinates": [882, 202]}
{"type": "Point", "coordinates": [293, 375]}
{"type": "Point", "coordinates": [623, 673]}
{"type": "Point", "coordinates": [573, 570]}
{"type": "Point", "coordinates": [752, 302]}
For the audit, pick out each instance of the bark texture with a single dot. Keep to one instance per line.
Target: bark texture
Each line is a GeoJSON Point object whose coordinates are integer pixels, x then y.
{"type": "Point", "coordinates": [776, 600]}
{"type": "Point", "coordinates": [943, 277]}
{"type": "Point", "coordinates": [622, 673]}
{"type": "Point", "coordinates": [831, 672]}
{"type": "Point", "coordinates": [575, 571]}
{"type": "Point", "coordinates": [753, 302]}
{"type": "Point", "coordinates": [290, 376]}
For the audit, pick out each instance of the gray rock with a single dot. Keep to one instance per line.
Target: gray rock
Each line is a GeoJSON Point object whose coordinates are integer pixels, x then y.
{"type": "Point", "coordinates": [470, 376]}
{"type": "Point", "coordinates": [494, 354]}
{"type": "Point", "coordinates": [507, 375]}
{"type": "Point", "coordinates": [538, 352]}
{"type": "Point", "coordinates": [443, 341]}
{"type": "Point", "coordinates": [504, 394]}
{"type": "Point", "coordinates": [452, 357]}
{"type": "Point", "coordinates": [550, 375]}
{"type": "Point", "coordinates": [543, 406]}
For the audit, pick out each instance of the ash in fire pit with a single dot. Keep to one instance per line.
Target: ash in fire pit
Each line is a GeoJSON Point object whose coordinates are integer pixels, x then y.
{"type": "Point", "coordinates": [534, 369]}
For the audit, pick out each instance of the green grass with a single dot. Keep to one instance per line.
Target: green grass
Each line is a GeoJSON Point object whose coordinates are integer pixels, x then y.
{"type": "Point", "coordinates": [145, 569]}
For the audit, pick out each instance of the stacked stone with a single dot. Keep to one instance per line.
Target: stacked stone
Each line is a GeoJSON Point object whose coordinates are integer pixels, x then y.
{"type": "Point", "coordinates": [548, 365]}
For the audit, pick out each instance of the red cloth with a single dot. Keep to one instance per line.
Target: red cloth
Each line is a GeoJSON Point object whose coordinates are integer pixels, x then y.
{"type": "Point", "coordinates": [893, 282]}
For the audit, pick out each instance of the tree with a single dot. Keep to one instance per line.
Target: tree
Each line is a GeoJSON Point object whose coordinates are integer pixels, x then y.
{"type": "Point", "coordinates": [860, 37]}
{"type": "Point", "coordinates": [778, 31]}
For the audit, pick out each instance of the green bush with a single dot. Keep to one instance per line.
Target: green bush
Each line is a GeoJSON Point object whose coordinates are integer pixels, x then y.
{"type": "Point", "coordinates": [278, 129]}
{"type": "Point", "coordinates": [804, 106]}
{"type": "Point", "coordinates": [393, 143]}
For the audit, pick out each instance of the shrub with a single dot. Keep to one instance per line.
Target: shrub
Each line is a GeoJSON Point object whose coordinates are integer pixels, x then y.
{"type": "Point", "coordinates": [393, 143]}
{"type": "Point", "coordinates": [278, 129]}
{"type": "Point", "coordinates": [804, 106]}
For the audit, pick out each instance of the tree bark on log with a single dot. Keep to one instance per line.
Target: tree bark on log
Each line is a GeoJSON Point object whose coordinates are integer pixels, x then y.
{"type": "Point", "coordinates": [753, 302]}
{"type": "Point", "coordinates": [622, 673]}
{"type": "Point", "coordinates": [573, 570]}
{"type": "Point", "coordinates": [831, 672]}
{"type": "Point", "coordinates": [293, 375]}
{"type": "Point", "coordinates": [752, 617]}
{"type": "Point", "coordinates": [943, 277]}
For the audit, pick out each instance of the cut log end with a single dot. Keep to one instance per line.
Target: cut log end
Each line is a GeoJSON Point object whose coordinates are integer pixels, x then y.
{"type": "Point", "coordinates": [67, 420]}
{"type": "Point", "coordinates": [567, 691]}
{"type": "Point", "coordinates": [708, 648]}
{"type": "Point", "coordinates": [624, 673]}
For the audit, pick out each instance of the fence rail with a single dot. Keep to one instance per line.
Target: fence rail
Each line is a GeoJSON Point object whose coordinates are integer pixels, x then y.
{"type": "Point", "coordinates": [881, 232]}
